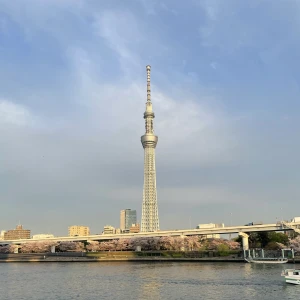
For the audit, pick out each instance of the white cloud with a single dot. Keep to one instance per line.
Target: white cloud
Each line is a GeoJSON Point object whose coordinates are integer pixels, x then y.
{"type": "Point", "coordinates": [187, 119]}
{"type": "Point", "coordinates": [15, 114]}
{"type": "Point", "coordinates": [117, 28]}
{"type": "Point", "coordinates": [200, 133]}
{"type": "Point", "coordinates": [37, 18]}
{"type": "Point", "coordinates": [95, 153]}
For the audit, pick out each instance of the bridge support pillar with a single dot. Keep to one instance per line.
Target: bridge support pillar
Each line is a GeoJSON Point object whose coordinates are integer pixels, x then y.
{"type": "Point", "coordinates": [182, 248]}
{"type": "Point", "coordinates": [245, 240]}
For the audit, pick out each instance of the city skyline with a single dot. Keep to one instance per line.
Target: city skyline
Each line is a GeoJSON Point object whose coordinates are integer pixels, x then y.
{"type": "Point", "coordinates": [226, 91]}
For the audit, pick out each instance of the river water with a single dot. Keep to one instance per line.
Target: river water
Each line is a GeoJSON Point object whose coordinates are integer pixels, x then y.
{"type": "Point", "coordinates": [135, 280]}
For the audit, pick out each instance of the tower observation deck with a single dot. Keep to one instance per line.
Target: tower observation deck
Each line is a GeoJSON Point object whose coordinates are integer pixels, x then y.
{"type": "Point", "coordinates": [150, 221]}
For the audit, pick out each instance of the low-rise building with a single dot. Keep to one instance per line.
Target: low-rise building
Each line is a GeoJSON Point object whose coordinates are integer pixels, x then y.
{"type": "Point", "coordinates": [2, 234]}
{"type": "Point", "coordinates": [109, 230]}
{"type": "Point", "coordinates": [295, 219]}
{"type": "Point", "coordinates": [211, 226]}
{"type": "Point", "coordinates": [42, 236]}
{"type": "Point", "coordinates": [79, 230]}
{"type": "Point", "coordinates": [17, 234]}
{"type": "Point", "coordinates": [135, 228]}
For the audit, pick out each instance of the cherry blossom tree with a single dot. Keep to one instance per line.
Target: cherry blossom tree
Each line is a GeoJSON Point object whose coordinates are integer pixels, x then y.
{"type": "Point", "coordinates": [214, 244]}
{"type": "Point", "coordinates": [37, 247]}
{"type": "Point", "coordinates": [165, 243]}
{"type": "Point", "coordinates": [193, 243]}
{"type": "Point", "coordinates": [70, 246]}
{"type": "Point", "coordinates": [233, 245]}
{"type": "Point", "coordinates": [178, 243]}
{"type": "Point", "coordinates": [7, 249]}
{"type": "Point", "coordinates": [106, 246]}
{"type": "Point", "coordinates": [93, 246]}
{"type": "Point", "coordinates": [295, 243]}
{"type": "Point", "coordinates": [172, 243]}
{"type": "Point", "coordinates": [126, 244]}
{"type": "Point", "coordinates": [144, 243]}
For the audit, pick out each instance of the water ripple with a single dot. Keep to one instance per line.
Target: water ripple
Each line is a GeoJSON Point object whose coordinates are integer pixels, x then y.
{"type": "Point", "coordinates": [127, 280]}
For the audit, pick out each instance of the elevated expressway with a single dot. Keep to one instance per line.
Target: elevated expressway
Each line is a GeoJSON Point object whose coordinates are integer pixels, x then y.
{"type": "Point", "coordinates": [241, 230]}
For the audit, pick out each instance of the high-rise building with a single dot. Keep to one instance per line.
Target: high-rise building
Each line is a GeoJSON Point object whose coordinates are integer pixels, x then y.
{"type": "Point", "coordinates": [76, 230]}
{"type": "Point", "coordinates": [17, 234]}
{"type": "Point", "coordinates": [127, 218]}
{"type": "Point", "coordinates": [122, 219]}
{"type": "Point", "coordinates": [150, 221]}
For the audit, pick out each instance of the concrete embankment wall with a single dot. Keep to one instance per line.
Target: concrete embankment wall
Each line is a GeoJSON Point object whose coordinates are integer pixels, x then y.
{"type": "Point", "coordinates": [161, 256]}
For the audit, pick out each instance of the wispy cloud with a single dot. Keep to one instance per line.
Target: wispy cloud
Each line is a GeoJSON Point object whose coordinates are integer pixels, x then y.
{"type": "Point", "coordinates": [15, 114]}
{"type": "Point", "coordinates": [88, 108]}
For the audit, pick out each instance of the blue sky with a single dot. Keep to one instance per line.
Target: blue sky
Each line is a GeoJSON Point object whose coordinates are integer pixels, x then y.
{"type": "Point", "coordinates": [225, 90]}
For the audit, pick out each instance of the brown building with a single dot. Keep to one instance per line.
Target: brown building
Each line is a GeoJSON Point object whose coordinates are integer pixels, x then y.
{"type": "Point", "coordinates": [17, 234]}
{"type": "Point", "coordinates": [135, 228]}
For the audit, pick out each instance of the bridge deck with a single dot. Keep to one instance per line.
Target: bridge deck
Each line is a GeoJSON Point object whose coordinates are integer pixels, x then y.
{"type": "Point", "coordinates": [204, 231]}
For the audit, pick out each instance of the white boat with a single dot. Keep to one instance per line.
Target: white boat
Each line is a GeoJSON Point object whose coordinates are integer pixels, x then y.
{"type": "Point", "coordinates": [266, 260]}
{"type": "Point", "coordinates": [291, 276]}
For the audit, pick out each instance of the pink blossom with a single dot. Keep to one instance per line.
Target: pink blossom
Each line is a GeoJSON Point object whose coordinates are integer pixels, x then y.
{"type": "Point", "coordinates": [295, 243]}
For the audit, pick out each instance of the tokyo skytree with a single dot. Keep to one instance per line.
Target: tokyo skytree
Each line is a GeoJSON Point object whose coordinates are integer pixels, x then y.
{"type": "Point", "coordinates": [150, 220]}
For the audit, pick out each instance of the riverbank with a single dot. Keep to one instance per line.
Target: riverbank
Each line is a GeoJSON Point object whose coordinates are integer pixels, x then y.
{"type": "Point", "coordinates": [84, 259]}
{"type": "Point", "coordinates": [129, 256]}
{"type": "Point", "coordinates": [49, 259]}
{"type": "Point", "coordinates": [154, 259]}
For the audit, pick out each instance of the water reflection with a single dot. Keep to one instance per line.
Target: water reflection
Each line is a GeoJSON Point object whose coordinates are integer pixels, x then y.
{"type": "Point", "coordinates": [150, 290]}
{"type": "Point", "coordinates": [121, 280]}
{"type": "Point", "coordinates": [150, 282]}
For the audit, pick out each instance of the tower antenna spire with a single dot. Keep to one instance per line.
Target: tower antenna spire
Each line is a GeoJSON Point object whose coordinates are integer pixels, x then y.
{"type": "Point", "coordinates": [150, 221]}
{"type": "Point", "coordinates": [148, 68]}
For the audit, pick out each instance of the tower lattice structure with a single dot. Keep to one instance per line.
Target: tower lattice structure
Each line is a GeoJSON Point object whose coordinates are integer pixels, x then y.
{"type": "Point", "coordinates": [150, 221]}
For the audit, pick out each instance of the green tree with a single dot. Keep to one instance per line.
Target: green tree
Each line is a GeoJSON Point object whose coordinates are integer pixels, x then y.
{"type": "Point", "coordinates": [278, 237]}
{"type": "Point", "coordinates": [223, 249]}
{"type": "Point", "coordinates": [273, 246]}
{"type": "Point", "coordinates": [254, 240]}
{"type": "Point", "coordinates": [239, 239]}
{"type": "Point", "coordinates": [263, 238]}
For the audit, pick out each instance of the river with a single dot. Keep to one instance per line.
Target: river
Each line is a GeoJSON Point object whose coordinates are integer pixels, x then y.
{"type": "Point", "coordinates": [148, 280]}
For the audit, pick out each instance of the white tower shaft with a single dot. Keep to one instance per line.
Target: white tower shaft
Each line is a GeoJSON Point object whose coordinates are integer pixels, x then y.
{"type": "Point", "coordinates": [150, 221]}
